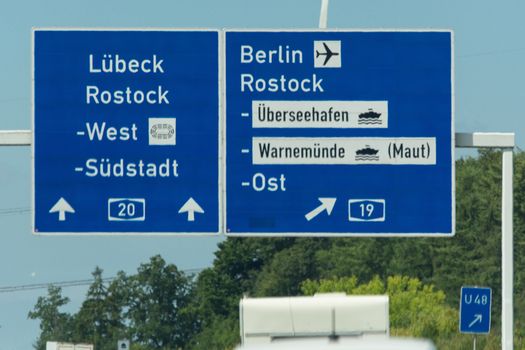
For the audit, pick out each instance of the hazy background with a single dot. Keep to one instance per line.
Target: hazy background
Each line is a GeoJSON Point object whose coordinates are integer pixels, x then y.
{"type": "Point", "coordinates": [489, 72]}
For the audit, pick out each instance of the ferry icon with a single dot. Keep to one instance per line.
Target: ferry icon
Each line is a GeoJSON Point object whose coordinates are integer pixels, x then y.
{"type": "Point", "coordinates": [369, 117]}
{"type": "Point", "coordinates": [367, 154]}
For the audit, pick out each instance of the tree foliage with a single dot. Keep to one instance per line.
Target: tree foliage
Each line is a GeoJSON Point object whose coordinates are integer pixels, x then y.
{"type": "Point", "coordinates": [159, 294]}
{"type": "Point", "coordinates": [54, 324]}
{"type": "Point", "coordinates": [415, 309]}
{"type": "Point", "coordinates": [150, 308]}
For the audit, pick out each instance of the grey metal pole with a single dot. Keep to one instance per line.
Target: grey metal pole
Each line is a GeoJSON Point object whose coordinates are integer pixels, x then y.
{"type": "Point", "coordinates": [507, 251]}
{"type": "Point", "coordinates": [505, 141]}
{"type": "Point", "coordinates": [15, 137]}
{"type": "Point", "coordinates": [323, 17]}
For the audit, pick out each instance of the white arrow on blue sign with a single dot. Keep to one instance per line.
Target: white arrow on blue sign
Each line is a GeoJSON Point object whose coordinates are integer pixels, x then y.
{"type": "Point", "coordinates": [474, 315]}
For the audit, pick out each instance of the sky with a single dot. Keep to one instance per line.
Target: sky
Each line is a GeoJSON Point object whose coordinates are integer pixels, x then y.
{"type": "Point", "coordinates": [489, 90]}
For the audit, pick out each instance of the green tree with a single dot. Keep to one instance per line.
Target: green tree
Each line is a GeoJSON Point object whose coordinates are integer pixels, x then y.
{"type": "Point", "coordinates": [118, 297]}
{"type": "Point", "coordinates": [100, 320]}
{"type": "Point", "coordinates": [415, 309]}
{"type": "Point", "coordinates": [215, 298]}
{"type": "Point", "coordinates": [473, 256]}
{"type": "Point", "coordinates": [288, 267]}
{"type": "Point", "coordinates": [54, 324]}
{"type": "Point", "coordinates": [91, 321]}
{"type": "Point", "coordinates": [220, 334]}
{"type": "Point", "coordinates": [159, 295]}
{"type": "Point", "coordinates": [362, 258]}
{"type": "Point", "coordinates": [369, 257]}
{"type": "Point", "coordinates": [217, 291]}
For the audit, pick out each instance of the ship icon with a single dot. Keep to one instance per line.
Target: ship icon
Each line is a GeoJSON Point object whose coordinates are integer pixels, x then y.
{"type": "Point", "coordinates": [367, 153]}
{"type": "Point", "coordinates": [369, 117]}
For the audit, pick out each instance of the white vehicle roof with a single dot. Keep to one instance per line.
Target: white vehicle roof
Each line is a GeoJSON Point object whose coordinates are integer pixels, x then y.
{"type": "Point", "coordinates": [264, 319]}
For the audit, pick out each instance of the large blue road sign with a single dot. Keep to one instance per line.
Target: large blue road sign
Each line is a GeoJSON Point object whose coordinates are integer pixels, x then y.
{"type": "Point", "coordinates": [126, 131]}
{"type": "Point", "coordinates": [339, 132]}
{"type": "Point", "coordinates": [474, 313]}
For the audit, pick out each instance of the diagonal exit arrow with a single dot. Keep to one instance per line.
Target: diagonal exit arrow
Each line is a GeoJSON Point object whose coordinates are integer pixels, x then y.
{"type": "Point", "coordinates": [477, 319]}
{"type": "Point", "coordinates": [327, 203]}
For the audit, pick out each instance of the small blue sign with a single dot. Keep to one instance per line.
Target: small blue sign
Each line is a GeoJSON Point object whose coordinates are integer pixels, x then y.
{"type": "Point", "coordinates": [474, 314]}
{"type": "Point", "coordinates": [339, 133]}
{"type": "Point", "coordinates": [126, 131]}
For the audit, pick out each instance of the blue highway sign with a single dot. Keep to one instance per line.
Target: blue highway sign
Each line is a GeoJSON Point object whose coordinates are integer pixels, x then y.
{"type": "Point", "coordinates": [474, 313]}
{"type": "Point", "coordinates": [339, 133]}
{"type": "Point", "coordinates": [126, 131]}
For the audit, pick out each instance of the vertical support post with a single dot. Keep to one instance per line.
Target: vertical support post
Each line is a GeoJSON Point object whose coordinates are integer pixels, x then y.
{"type": "Point", "coordinates": [507, 252]}
{"type": "Point", "coordinates": [474, 346]}
{"type": "Point", "coordinates": [323, 17]}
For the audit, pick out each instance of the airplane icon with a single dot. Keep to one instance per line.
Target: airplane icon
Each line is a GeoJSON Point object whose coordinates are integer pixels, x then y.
{"type": "Point", "coordinates": [328, 54]}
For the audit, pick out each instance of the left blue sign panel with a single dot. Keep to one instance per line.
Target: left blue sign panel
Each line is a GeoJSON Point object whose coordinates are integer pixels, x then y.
{"type": "Point", "coordinates": [126, 131]}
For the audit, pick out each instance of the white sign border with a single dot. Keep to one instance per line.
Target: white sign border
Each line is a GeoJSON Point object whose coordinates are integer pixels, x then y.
{"type": "Point", "coordinates": [353, 234]}
{"type": "Point", "coordinates": [220, 64]}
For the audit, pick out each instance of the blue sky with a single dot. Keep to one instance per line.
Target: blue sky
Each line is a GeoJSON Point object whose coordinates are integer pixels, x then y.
{"type": "Point", "coordinates": [489, 73]}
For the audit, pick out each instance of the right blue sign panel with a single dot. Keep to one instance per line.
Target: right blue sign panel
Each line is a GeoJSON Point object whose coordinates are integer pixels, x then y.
{"type": "Point", "coordinates": [474, 314]}
{"type": "Point", "coordinates": [339, 133]}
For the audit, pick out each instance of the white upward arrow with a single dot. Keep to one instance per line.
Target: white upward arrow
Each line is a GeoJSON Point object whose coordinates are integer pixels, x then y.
{"type": "Point", "coordinates": [62, 207]}
{"type": "Point", "coordinates": [326, 204]}
{"type": "Point", "coordinates": [477, 319]}
{"type": "Point", "coordinates": [191, 207]}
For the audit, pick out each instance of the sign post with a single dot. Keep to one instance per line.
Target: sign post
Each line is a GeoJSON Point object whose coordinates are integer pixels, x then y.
{"type": "Point", "coordinates": [126, 131]}
{"type": "Point", "coordinates": [339, 133]}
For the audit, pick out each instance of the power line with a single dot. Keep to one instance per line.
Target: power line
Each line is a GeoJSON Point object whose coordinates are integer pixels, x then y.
{"type": "Point", "coordinates": [25, 287]}
{"type": "Point", "coordinates": [73, 283]}
{"type": "Point", "coordinates": [14, 211]}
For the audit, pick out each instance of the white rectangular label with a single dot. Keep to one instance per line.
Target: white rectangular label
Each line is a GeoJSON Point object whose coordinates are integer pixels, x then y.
{"type": "Point", "coordinates": [162, 131]}
{"type": "Point", "coordinates": [344, 150]}
{"type": "Point", "coordinates": [320, 114]}
{"type": "Point", "coordinates": [366, 210]}
{"type": "Point", "coordinates": [126, 209]}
